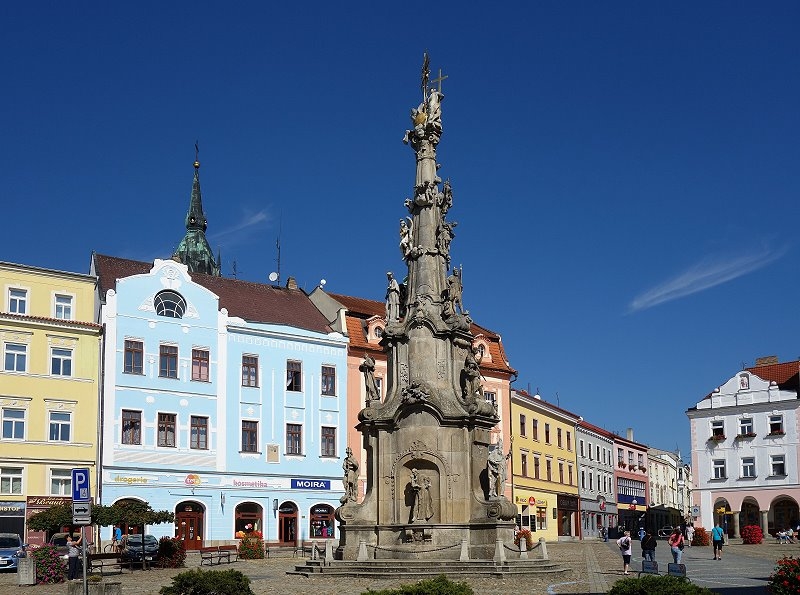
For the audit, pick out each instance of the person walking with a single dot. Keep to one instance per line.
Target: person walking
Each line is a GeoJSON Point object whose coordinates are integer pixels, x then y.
{"type": "Point", "coordinates": [72, 556]}
{"type": "Point", "coordinates": [717, 539]}
{"type": "Point", "coordinates": [676, 544]}
{"type": "Point", "coordinates": [117, 538]}
{"type": "Point", "coordinates": [624, 544]}
{"type": "Point", "coordinates": [689, 535]}
{"type": "Point", "coordinates": [649, 544]}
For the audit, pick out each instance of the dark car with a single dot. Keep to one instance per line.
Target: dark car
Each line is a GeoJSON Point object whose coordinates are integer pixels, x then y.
{"type": "Point", "coordinates": [131, 548]}
{"type": "Point", "coordinates": [10, 550]}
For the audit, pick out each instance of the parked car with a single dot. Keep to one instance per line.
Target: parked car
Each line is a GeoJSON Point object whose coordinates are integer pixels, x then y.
{"type": "Point", "coordinates": [665, 531]}
{"type": "Point", "coordinates": [11, 550]}
{"type": "Point", "coordinates": [59, 541]}
{"type": "Point", "coordinates": [131, 548]}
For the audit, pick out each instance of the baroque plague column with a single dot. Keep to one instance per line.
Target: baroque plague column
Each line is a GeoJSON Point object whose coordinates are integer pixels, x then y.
{"type": "Point", "coordinates": [432, 472]}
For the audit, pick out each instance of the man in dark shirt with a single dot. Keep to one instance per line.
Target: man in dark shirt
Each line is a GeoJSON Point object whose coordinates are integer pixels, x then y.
{"type": "Point", "coordinates": [649, 544]}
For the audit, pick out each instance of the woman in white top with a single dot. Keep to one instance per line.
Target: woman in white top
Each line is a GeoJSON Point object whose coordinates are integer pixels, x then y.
{"type": "Point", "coordinates": [624, 544]}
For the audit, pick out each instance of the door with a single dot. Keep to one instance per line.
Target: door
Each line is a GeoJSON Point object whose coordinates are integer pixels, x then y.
{"type": "Point", "coordinates": [287, 523]}
{"type": "Point", "coordinates": [189, 524]}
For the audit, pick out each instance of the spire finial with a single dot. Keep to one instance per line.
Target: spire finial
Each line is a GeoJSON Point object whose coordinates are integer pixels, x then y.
{"type": "Point", "coordinates": [196, 154]}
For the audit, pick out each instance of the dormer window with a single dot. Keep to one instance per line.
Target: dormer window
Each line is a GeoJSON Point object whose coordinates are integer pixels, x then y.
{"type": "Point", "coordinates": [170, 304]}
{"type": "Point", "coordinates": [379, 331]}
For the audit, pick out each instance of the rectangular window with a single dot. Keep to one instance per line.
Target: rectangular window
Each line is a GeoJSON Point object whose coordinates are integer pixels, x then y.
{"type": "Point", "coordinates": [583, 479]}
{"type": "Point", "coordinates": [249, 436]}
{"type": "Point", "coordinates": [541, 518]}
{"type": "Point", "coordinates": [166, 429]}
{"type": "Point", "coordinates": [591, 456]}
{"type": "Point", "coordinates": [718, 428]}
{"type": "Point", "coordinates": [778, 464]}
{"type": "Point", "coordinates": [630, 458]}
{"type": "Point", "coordinates": [60, 426]}
{"type": "Point", "coordinates": [535, 423]}
{"type": "Point", "coordinates": [61, 362]}
{"type": "Point", "coordinates": [522, 425]}
{"type": "Point", "coordinates": [198, 437]}
{"type": "Point", "coordinates": [61, 482]}
{"type": "Point", "coordinates": [294, 372]}
{"type": "Point", "coordinates": [597, 453]}
{"type": "Point", "coordinates": [17, 301]}
{"type": "Point", "coordinates": [641, 460]}
{"type": "Point", "coordinates": [536, 467]}
{"type": "Point", "coordinates": [561, 473]}
{"type": "Point", "coordinates": [10, 480]}
{"type": "Point", "coordinates": [620, 456]}
{"type": "Point", "coordinates": [524, 463]}
{"type": "Point", "coordinates": [328, 441]}
{"type": "Point", "coordinates": [746, 425]}
{"type": "Point", "coordinates": [131, 427]}
{"type": "Point", "coordinates": [558, 438]}
{"type": "Point", "coordinates": [63, 309]}
{"type": "Point", "coordinates": [591, 481]}
{"type": "Point", "coordinates": [748, 466]}
{"type": "Point", "coordinates": [249, 370]}
{"type": "Point", "coordinates": [581, 448]}
{"type": "Point", "coordinates": [294, 439]}
{"type": "Point", "coordinates": [200, 365]}
{"type": "Point", "coordinates": [569, 440]}
{"type": "Point", "coordinates": [549, 470]}
{"type": "Point", "coordinates": [776, 424]}
{"type": "Point", "coordinates": [547, 433]}
{"type": "Point", "coordinates": [16, 357]}
{"type": "Point", "coordinates": [13, 424]}
{"type": "Point", "coordinates": [719, 469]}
{"type": "Point", "coordinates": [134, 357]}
{"type": "Point", "coordinates": [329, 381]}
{"type": "Point", "coordinates": [490, 397]}
{"type": "Point", "coordinates": [168, 361]}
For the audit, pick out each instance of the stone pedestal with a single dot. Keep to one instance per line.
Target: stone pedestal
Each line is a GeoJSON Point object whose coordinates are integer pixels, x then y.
{"type": "Point", "coordinates": [26, 571]}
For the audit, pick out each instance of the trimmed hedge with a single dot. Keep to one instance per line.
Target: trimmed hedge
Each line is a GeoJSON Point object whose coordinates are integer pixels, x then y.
{"type": "Point", "coordinates": [441, 585]}
{"type": "Point", "coordinates": [210, 582]}
{"type": "Point", "coordinates": [651, 584]}
{"type": "Point", "coordinates": [701, 537]}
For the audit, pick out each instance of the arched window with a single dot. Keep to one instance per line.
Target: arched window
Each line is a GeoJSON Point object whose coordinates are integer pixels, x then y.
{"type": "Point", "coordinates": [248, 519]}
{"type": "Point", "coordinates": [321, 523]}
{"type": "Point", "coordinates": [170, 304]}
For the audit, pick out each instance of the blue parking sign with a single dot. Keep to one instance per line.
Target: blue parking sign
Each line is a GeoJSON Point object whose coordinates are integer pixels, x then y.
{"type": "Point", "coordinates": [80, 485]}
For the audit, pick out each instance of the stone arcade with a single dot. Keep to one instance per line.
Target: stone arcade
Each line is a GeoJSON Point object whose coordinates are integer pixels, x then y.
{"type": "Point", "coordinates": [434, 480]}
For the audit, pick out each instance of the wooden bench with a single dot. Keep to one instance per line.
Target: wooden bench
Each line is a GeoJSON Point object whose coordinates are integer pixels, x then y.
{"type": "Point", "coordinates": [104, 562]}
{"type": "Point", "coordinates": [218, 554]}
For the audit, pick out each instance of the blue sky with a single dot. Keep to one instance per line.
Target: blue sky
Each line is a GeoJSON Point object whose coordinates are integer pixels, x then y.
{"type": "Point", "coordinates": [625, 174]}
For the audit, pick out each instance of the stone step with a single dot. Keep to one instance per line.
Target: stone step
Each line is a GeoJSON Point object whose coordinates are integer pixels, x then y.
{"type": "Point", "coordinates": [415, 569]}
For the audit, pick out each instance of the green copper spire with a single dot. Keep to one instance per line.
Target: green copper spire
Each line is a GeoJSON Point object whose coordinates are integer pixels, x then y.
{"type": "Point", "coordinates": [194, 250]}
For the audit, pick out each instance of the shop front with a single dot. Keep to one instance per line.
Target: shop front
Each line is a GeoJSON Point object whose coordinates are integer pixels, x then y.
{"type": "Point", "coordinates": [12, 517]}
{"type": "Point", "coordinates": [36, 504]}
{"type": "Point", "coordinates": [597, 516]}
{"type": "Point", "coordinates": [566, 514]}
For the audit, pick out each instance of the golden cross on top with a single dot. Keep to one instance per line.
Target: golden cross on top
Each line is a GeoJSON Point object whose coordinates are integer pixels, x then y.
{"type": "Point", "coordinates": [439, 79]}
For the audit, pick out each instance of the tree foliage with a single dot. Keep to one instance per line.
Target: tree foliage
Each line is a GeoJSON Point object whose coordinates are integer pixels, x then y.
{"type": "Point", "coordinates": [132, 513]}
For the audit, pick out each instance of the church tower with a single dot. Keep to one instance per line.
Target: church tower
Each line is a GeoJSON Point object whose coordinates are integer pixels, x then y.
{"type": "Point", "coordinates": [194, 250]}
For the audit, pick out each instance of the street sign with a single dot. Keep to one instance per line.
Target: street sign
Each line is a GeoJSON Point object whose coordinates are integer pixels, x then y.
{"type": "Point", "coordinates": [80, 485]}
{"type": "Point", "coordinates": [81, 520]}
{"type": "Point", "coordinates": [695, 511]}
{"type": "Point", "coordinates": [81, 513]}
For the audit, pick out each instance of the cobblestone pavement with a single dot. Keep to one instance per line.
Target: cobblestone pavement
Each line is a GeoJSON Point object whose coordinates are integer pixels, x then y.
{"type": "Point", "coordinates": [592, 567]}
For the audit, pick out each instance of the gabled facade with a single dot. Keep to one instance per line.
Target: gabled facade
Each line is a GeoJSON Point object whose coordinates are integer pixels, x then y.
{"type": "Point", "coordinates": [544, 467]}
{"type": "Point", "coordinates": [744, 450]}
{"type": "Point", "coordinates": [632, 484]}
{"type": "Point", "coordinates": [224, 401]}
{"type": "Point", "coordinates": [48, 390]}
{"type": "Point", "coordinates": [596, 479]}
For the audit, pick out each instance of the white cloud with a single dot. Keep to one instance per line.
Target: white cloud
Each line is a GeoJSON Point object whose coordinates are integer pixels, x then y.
{"type": "Point", "coordinates": [247, 221]}
{"type": "Point", "coordinates": [707, 273]}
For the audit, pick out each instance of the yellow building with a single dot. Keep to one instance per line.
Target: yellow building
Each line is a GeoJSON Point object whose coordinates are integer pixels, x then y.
{"type": "Point", "coordinates": [544, 468]}
{"type": "Point", "coordinates": [48, 389]}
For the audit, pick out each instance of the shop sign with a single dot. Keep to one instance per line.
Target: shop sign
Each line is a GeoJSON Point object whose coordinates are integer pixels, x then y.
{"type": "Point", "coordinates": [565, 502]}
{"type": "Point", "coordinates": [322, 509]}
{"type": "Point", "coordinates": [10, 508]}
{"type": "Point", "coordinates": [193, 479]}
{"type": "Point", "coordinates": [130, 480]}
{"type": "Point", "coordinates": [272, 483]}
{"type": "Point", "coordinates": [46, 501]}
{"type": "Point", "coordinates": [311, 484]}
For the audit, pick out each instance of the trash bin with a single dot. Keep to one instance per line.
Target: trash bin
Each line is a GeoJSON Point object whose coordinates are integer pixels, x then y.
{"type": "Point", "coordinates": [26, 571]}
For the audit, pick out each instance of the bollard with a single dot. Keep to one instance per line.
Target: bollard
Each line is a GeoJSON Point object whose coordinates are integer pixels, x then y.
{"type": "Point", "coordinates": [499, 553]}
{"type": "Point", "coordinates": [523, 549]}
{"type": "Point", "coordinates": [543, 545]}
{"type": "Point", "coordinates": [26, 571]}
{"type": "Point", "coordinates": [328, 552]}
{"type": "Point", "coordinates": [314, 554]}
{"type": "Point", "coordinates": [464, 551]}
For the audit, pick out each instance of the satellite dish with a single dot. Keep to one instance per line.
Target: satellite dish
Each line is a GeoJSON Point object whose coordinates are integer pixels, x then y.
{"type": "Point", "coordinates": [322, 282]}
{"type": "Point", "coordinates": [273, 276]}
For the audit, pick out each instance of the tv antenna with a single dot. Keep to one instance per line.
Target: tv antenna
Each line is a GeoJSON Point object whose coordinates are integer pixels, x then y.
{"type": "Point", "coordinates": [275, 276]}
{"type": "Point", "coordinates": [234, 270]}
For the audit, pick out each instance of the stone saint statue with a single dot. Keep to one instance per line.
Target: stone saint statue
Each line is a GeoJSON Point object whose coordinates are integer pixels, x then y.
{"type": "Point", "coordinates": [496, 468]}
{"type": "Point", "coordinates": [422, 509]}
{"type": "Point", "coordinates": [406, 238]}
{"type": "Point", "coordinates": [434, 107]}
{"type": "Point", "coordinates": [473, 389]}
{"type": "Point", "coordinates": [368, 368]}
{"type": "Point", "coordinates": [454, 291]}
{"type": "Point", "coordinates": [392, 299]}
{"type": "Point", "coordinates": [350, 479]}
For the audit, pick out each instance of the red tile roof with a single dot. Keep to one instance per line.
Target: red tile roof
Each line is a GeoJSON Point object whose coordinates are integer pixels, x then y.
{"type": "Point", "coordinates": [359, 309]}
{"type": "Point", "coordinates": [785, 374]}
{"type": "Point", "coordinates": [254, 302]}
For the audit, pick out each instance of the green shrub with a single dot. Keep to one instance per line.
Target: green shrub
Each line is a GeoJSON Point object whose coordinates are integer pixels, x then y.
{"type": "Point", "coordinates": [651, 584]}
{"type": "Point", "coordinates": [701, 537]}
{"type": "Point", "coordinates": [171, 553]}
{"type": "Point", "coordinates": [210, 582]}
{"type": "Point", "coordinates": [440, 585]}
{"type": "Point", "coordinates": [50, 568]}
{"type": "Point", "coordinates": [785, 580]}
{"type": "Point", "coordinates": [251, 548]}
{"type": "Point", "coordinates": [752, 534]}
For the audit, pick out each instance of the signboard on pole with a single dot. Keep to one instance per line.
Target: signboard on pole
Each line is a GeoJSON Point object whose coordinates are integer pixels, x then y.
{"type": "Point", "coordinates": [81, 513]}
{"type": "Point", "coordinates": [80, 485]}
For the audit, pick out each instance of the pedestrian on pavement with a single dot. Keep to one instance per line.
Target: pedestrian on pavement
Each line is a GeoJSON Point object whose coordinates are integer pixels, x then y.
{"type": "Point", "coordinates": [649, 544]}
{"type": "Point", "coordinates": [624, 544]}
{"type": "Point", "coordinates": [676, 544]}
{"type": "Point", "coordinates": [689, 535]}
{"type": "Point", "coordinates": [72, 556]}
{"type": "Point", "coordinates": [717, 538]}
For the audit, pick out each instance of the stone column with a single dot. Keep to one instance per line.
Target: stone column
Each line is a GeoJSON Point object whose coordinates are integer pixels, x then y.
{"type": "Point", "coordinates": [764, 521]}
{"type": "Point", "coordinates": [735, 523]}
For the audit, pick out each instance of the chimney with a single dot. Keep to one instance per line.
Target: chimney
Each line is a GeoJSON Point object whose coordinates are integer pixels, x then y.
{"type": "Point", "coordinates": [629, 434]}
{"type": "Point", "coordinates": [291, 283]}
{"type": "Point", "coordinates": [766, 361]}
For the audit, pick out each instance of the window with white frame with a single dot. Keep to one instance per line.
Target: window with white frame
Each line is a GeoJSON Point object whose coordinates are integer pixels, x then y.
{"type": "Point", "coordinates": [63, 307]}
{"type": "Point", "coordinates": [17, 301]}
{"type": "Point", "coordinates": [719, 469]}
{"type": "Point", "coordinates": [591, 458]}
{"type": "Point", "coordinates": [328, 377]}
{"type": "Point", "coordinates": [60, 482]}
{"type": "Point", "coordinates": [776, 425]}
{"type": "Point", "coordinates": [60, 426]}
{"type": "Point", "coordinates": [581, 448]}
{"type": "Point", "coordinates": [778, 464]}
{"type": "Point", "coordinates": [294, 376]}
{"type": "Point", "coordinates": [10, 480]}
{"type": "Point", "coordinates": [748, 466]}
{"type": "Point", "coordinates": [16, 357]}
{"type": "Point", "coordinates": [718, 429]}
{"type": "Point", "coordinates": [13, 424]}
{"type": "Point", "coordinates": [746, 426]}
{"type": "Point", "coordinates": [61, 362]}
{"type": "Point", "coordinates": [490, 396]}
